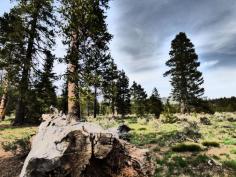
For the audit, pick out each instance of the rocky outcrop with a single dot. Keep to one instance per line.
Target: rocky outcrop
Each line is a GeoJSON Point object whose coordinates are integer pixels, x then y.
{"type": "Point", "coordinates": [75, 149]}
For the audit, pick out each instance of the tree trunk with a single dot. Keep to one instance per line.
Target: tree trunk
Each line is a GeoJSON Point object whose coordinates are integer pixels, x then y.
{"type": "Point", "coordinates": [73, 96]}
{"type": "Point", "coordinates": [183, 107]}
{"type": "Point", "coordinates": [113, 107]}
{"type": "Point", "coordinates": [21, 103]}
{"type": "Point", "coordinates": [95, 102]}
{"type": "Point", "coordinates": [4, 99]}
{"type": "Point", "coordinates": [88, 106]}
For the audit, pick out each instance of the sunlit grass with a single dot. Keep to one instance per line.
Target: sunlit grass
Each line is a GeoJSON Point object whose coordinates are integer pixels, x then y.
{"type": "Point", "coordinates": [10, 133]}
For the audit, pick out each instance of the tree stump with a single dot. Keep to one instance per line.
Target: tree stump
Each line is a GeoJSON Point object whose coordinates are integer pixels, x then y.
{"type": "Point", "coordinates": [76, 149]}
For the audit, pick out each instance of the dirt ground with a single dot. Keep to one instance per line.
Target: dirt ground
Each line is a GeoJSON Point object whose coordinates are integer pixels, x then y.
{"type": "Point", "coordinates": [10, 166]}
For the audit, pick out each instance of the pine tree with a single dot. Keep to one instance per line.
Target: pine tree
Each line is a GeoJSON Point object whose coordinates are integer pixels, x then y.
{"type": "Point", "coordinates": [38, 32]}
{"type": "Point", "coordinates": [109, 88]}
{"type": "Point", "coordinates": [138, 98]}
{"type": "Point", "coordinates": [155, 104]}
{"type": "Point", "coordinates": [123, 94]}
{"type": "Point", "coordinates": [186, 80]}
{"type": "Point", "coordinates": [46, 91]}
{"type": "Point", "coordinates": [94, 71]}
{"type": "Point", "coordinates": [85, 28]}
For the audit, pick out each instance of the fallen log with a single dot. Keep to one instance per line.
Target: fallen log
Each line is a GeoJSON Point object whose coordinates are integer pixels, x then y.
{"type": "Point", "coordinates": [76, 149]}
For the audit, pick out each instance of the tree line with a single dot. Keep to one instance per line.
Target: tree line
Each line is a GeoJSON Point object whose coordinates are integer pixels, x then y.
{"type": "Point", "coordinates": [93, 84]}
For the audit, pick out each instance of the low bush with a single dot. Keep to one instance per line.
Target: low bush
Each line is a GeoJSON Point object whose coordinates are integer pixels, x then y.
{"type": "Point", "coordinates": [186, 148]}
{"type": "Point", "coordinates": [211, 144]}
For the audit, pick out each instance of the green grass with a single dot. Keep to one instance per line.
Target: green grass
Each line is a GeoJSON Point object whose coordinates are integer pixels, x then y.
{"type": "Point", "coordinates": [10, 133]}
{"type": "Point", "coordinates": [229, 141]}
{"type": "Point", "coordinates": [233, 151]}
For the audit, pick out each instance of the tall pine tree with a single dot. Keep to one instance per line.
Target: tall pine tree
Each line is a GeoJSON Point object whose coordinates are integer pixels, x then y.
{"type": "Point", "coordinates": [186, 80]}
{"type": "Point", "coordinates": [109, 88]}
{"type": "Point", "coordinates": [123, 94]}
{"type": "Point", "coordinates": [38, 32]}
{"type": "Point", "coordinates": [84, 28]}
{"type": "Point", "coordinates": [46, 91]}
{"type": "Point", "coordinates": [138, 98]}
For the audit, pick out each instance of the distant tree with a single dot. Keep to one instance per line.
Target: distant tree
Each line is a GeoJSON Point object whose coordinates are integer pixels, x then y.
{"type": "Point", "coordinates": [186, 80]}
{"type": "Point", "coordinates": [123, 94]}
{"type": "Point", "coordinates": [138, 99]}
{"type": "Point", "coordinates": [94, 71]}
{"type": "Point", "coordinates": [155, 104]}
{"type": "Point", "coordinates": [46, 91]}
{"type": "Point", "coordinates": [109, 87]}
{"type": "Point", "coordinates": [222, 104]}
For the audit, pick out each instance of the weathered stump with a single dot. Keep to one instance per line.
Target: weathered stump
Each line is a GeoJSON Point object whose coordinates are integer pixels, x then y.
{"type": "Point", "coordinates": [62, 149]}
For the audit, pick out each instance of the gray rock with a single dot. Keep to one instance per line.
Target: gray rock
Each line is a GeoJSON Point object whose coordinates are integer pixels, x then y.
{"type": "Point", "coordinates": [75, 149]}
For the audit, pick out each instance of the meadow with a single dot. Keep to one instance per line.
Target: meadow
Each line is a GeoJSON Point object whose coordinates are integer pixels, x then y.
{"type": "Point", "coordinates": [180, 145]}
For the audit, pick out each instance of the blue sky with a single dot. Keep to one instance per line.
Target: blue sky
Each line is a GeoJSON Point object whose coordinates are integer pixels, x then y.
{"type": "Point", "coordinates": [143, 31]}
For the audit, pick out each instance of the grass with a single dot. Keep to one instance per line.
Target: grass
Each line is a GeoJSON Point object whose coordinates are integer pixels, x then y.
{"type": "Point", "coordinates": [177, 152]}
{"type": "Point", "coordinates": [10, 133]}
{"type": "Point", "coordinates": [229, 141]}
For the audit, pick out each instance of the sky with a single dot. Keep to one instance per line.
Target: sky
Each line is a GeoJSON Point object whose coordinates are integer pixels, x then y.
{"type": "Point", "coordinates": [143, 30]}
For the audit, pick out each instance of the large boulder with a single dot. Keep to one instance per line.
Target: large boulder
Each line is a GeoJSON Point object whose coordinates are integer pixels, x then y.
{"type": "Point", "coordinates": [75, 149]}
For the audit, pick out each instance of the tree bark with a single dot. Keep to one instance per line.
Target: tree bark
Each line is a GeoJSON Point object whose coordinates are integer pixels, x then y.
{"type": "Point", "coordinates": [183, 107]}
{"type": "Point", "coordinates": [73, 96]}
{"type": "Point", "coordinates": [4, 99]}
{"type": "Point", "coordinates": [95, 102]}
{"type": "Point", "coordinates": [88, 106]}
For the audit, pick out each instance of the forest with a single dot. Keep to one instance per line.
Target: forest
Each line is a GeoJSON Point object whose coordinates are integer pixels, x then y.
{"type": "Point", "coordinates": [185, 134]}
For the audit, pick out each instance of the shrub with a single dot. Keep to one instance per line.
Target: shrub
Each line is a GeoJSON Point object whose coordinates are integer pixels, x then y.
{"type": "Point", "coordinates": [21, 146]}
{"type": "Point", "coordinates": [211, 144]}
{"type": "Point", "coordinates": [169, 118]}
{"type": "Point", "coordinates": [186, 148]}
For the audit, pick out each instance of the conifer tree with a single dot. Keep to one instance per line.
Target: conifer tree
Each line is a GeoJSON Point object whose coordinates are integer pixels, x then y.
{"type": "Point", "coordinates": [46, 91]}
{"type": "Point", "coordinates": [123, 94]}
{"type": "Point", "coordinates": [186, 80]}
{"type": "Point", "coordinates": [84, 28]}
{"type": "Point", "coordinates": [155, 104]}
{"type": "Point", "coordinates": [138, 98]}
{"type": "Point", "coordinates": [38, 32]}
{"type": "Point", "coordinates": [109, 88]}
